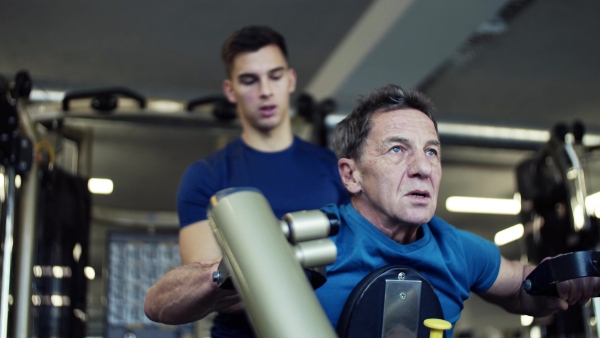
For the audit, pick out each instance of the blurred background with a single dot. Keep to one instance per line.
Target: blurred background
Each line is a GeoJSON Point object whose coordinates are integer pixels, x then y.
{"type": "Point", "coordinates": [503, 75]}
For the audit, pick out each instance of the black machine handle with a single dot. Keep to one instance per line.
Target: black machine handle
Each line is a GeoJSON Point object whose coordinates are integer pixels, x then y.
{"type": "Point", "coordinates": [223, 110]}
{"type": "Point", "coordinates": [103, 93]}
{"type": "Point", "coordinates": [543, 279]}
{"type": "Point", "coordinates": [200, 101]}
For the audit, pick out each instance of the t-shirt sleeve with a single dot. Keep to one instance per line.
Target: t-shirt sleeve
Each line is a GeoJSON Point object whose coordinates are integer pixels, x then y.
{"type": "Point", "coordinates": [483, 259]}
{"type": "Point", "coordinates": [195, 189]}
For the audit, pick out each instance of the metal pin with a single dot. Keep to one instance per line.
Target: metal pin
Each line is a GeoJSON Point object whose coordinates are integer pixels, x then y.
{"type": "Point", "coordinates": [527, 285]}
{"type": "Point", "coordinates": [216, 276]}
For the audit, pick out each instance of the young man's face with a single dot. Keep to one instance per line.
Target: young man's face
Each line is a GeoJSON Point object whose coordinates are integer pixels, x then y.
{"type": "Point", "coordinates": [260, 85]}
{"type": "Point", "coordinates": [398, 176]}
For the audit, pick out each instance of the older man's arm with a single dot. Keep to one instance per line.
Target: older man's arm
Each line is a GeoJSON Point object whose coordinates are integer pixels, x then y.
{"type": "Point", "coordinates": [188, 293]}
{"type": "Point", "coordinates": [508, 293]}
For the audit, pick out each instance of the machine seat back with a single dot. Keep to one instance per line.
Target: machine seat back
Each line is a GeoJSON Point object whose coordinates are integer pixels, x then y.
{"type": "Point", "coordinates": [392, 301]}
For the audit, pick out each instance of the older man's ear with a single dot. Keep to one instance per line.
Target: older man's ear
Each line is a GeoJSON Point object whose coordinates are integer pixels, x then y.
{"type": "Point", "coordinates": [350, 175]}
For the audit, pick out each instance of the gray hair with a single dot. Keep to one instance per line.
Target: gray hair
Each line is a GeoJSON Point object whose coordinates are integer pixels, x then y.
{"type": "Point", "coordinates": [350, 134]}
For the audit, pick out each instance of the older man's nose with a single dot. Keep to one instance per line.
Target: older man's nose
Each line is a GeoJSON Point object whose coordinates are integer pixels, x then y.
{"type": "Point", "coordinates": [420, 165]}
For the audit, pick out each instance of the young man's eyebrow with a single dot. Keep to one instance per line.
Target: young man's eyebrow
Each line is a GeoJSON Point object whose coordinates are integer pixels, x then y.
{"type": "Point", "coordinates": [246, 75]}
{"type": "Point", "coordinates": [276, 69]}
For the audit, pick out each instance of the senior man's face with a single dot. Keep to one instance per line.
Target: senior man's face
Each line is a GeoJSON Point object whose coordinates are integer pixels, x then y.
{"type": "Point", "coordinates": [398, 176]}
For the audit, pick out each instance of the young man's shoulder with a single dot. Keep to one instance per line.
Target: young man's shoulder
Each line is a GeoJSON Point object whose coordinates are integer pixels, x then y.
{"type": "Point", "coordinates": [314, 150]}
{"type": "Point", "coordinates": [231, 148]}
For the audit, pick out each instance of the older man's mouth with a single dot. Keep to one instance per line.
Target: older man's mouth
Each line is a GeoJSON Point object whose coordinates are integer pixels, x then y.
{"type": "Point", "coordinates": [419, 194]}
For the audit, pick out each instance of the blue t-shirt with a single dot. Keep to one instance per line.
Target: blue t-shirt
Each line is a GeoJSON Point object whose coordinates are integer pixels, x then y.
{"type": "Point", "coordinates": [454, 261]}
{"type": "Point", "coordinates": [302, 177]}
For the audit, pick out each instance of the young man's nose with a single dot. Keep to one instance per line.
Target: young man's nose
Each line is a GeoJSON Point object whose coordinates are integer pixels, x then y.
{"type": "Point", "coordinates": [265, 89]}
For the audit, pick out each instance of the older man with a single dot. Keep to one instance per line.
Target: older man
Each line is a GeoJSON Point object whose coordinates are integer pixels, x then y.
{"type": "Point", "coordinates": [390, 161]}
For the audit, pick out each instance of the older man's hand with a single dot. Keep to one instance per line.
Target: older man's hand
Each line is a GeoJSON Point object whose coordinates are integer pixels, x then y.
{"type": "Point", "coordinates": [570, 292]}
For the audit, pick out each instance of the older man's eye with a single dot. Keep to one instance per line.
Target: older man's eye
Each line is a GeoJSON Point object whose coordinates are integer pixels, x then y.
{"type": "Point", "coordinates": [396, 149]}
{"type": "Point", "coordinates": [432, 152]}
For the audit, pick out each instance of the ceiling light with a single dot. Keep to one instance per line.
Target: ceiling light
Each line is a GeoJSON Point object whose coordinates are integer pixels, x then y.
{"type": "Point", "coordinates": [166, 106]}
{"type": "Point", "coordinates": [102, 186]}
{"type": "Point", "coordinates": [592, 204]}
{"type": "Point", "coordinates": [480, 205]}
{"type": "Point", "coordinates": [46, 95]}
{"type": "Point", "coordinates": [57, 300]}
{"type": "Point", "coordinates": [58, 271]}
{"type": "Point", "coordinates": [526, 320]}
{"type": "Point", "coordinates": [506, 133]}
{"type": "Point", "coordinates": [37, 271]}
{"type": "Point", "coordinates": [36, 300]}
{"type": "Point", "coordinates": [535, 332]}
{"type": "Point", "coordinates": [77, 252]}
{"type": "Point", "coordinates": [89, 272]}
{"type": "Point", "coordinates": [486, 131]}
{"type": "Point", "coordinates": [509, 234]}
{"type": "Point", "coordinates": [591, 139]}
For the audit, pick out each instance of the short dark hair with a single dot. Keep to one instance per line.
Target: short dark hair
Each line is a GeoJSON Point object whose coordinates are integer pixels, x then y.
{"type": "Point", "coordinates": [250, 39]}
{"type": "Point", "coordinates": [350, 134]}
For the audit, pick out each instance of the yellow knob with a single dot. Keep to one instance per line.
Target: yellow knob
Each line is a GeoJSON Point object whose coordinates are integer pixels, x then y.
{"type": "Point", "coordinates": [437, 327]}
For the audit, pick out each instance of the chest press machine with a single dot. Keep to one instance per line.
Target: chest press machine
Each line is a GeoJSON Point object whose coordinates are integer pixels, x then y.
{"type": "Point", "coordinates": [268, 260]}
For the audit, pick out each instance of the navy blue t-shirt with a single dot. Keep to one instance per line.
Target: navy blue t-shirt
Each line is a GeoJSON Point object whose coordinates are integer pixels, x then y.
{"type": "Point", "coordinates": [301, 177]}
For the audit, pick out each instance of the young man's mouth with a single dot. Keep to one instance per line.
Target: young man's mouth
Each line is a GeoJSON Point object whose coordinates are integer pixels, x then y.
{"type": "Point", "coordinates": [268, 110]}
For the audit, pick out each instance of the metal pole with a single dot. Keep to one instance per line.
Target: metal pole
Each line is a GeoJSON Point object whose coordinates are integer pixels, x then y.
{"type": "Point", "coordinates": [7, 256]}
{"type": "Point", "coordinates": [25, 251]}
{"type": "Point", "coordinates": [276, 293]}
{"type": "Point", "coordinates": [26, 235]}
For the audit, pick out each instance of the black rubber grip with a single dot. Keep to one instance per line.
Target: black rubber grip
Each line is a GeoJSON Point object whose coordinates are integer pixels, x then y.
{"type": "Point", "coordinates": [543, 279]}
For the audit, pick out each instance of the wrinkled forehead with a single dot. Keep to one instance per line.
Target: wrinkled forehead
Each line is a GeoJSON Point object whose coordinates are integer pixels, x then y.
{"type": "Point", "coordinates": [403, 121]}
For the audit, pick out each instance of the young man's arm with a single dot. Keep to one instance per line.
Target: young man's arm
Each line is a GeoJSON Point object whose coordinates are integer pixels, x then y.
{"type": "Point", "coordinates": [188, 293]}
{"type": "Point", "coordinates": [508, 293]}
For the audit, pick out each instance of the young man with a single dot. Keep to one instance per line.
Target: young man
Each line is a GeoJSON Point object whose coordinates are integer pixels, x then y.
{"type": "Point", "coordinates": [390, 162]}
{"type": "Point", "coordinates": [292, 174]}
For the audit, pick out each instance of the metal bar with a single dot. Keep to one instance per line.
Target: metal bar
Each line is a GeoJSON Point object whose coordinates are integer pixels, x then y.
{"type": "Point", "coordinates": [84, 152]}
{"type": "Point", "coordinates": [26, 236]}
{"type": "Point", "coordinates": [278, 298]}
{"type": "Point", "coordinates": [578, 193]}
{"type": "Point", "coordinates": [7, 255]}
{"type": "Point", "coordinates": [25, 251]}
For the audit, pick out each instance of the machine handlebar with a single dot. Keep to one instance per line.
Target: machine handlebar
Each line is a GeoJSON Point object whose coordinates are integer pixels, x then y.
{"type": "Point", "coordinates": [543, 279]}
